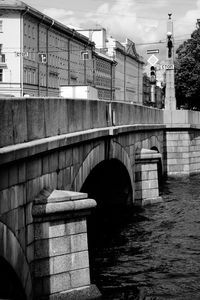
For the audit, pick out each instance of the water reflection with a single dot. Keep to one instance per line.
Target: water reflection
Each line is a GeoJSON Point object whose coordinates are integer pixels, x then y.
{"type": "Point", "coordinates": [153, 253]}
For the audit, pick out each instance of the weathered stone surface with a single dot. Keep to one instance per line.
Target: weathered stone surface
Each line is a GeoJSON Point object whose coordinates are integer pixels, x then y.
{"type": "Point", "coordinates": [65, 161]}
{"type": "Point", "coordinates": [61, 264]}
{"type": "Point", "coordinates": [90, 292]}
{"type": "Point", "coordinates": [80, 278]}
{"type": "Point", "coordinates": [6, 123]}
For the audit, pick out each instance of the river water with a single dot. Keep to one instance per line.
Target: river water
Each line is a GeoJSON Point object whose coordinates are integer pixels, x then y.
{"type": "Point", "coordinates": [153, 252]}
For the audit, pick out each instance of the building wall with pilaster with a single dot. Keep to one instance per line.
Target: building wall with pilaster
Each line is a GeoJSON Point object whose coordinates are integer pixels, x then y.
{"type": "Point", "coordinates": [10, 41]}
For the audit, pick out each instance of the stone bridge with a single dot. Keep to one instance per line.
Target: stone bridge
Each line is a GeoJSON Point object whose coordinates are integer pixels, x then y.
{"type": "Point", "coordinates": [56, 156]}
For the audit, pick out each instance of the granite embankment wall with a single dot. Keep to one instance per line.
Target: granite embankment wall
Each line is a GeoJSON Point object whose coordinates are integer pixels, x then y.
{"type": "Point", "coordinates": [182, 142]}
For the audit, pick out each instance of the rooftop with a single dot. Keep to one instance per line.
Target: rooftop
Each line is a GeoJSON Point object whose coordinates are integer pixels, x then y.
{"type": "Point", "coordinates": [12, 4]}
{"type": "Point", "coordinates": [22, 6]}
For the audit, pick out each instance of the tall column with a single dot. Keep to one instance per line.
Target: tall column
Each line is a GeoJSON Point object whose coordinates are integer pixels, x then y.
{"type": "Point", "coordinates": [170, 99]}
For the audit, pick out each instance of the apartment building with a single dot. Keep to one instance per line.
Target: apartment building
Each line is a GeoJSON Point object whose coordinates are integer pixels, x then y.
{"type": "Point", "coordinates": [128, 71]}
{"type": "Point", "coordinates": [39, 54]}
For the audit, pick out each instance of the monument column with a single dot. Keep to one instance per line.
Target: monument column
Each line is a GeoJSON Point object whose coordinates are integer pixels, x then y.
{"type": "Point", "coordinates": [170, 99]}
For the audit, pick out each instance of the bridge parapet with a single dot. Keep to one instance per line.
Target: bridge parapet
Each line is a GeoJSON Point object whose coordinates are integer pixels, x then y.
{"type": "Point", "coordinates": [179, 118]}
{"type": "Point", "coordinates": [23, 120]}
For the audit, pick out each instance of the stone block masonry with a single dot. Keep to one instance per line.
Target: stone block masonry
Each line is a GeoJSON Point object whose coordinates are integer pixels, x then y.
{"type": "Point", "coordinates": [60, 263]}
{"type": "Point", "coordinates": [182, 152]}
{"type": "Point", "coordinates": [182, 142]}
{"type": "Point", "coordinates": [146, 177]}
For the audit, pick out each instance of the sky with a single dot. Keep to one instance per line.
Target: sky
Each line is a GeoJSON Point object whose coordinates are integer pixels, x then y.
{"type": "Point", "coordinates": [142, 21]}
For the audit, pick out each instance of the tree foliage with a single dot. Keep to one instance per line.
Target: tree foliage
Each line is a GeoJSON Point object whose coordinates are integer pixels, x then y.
{"type": "Point", "coordinates": [187, 72]}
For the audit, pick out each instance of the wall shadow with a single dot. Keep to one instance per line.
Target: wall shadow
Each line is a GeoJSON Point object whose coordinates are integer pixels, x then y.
{"type": "Point", "coordinates": [160, 169]}
{"type": "Point", "coordinates": [110, 185]}
{"type": "Point", "coordinates": [10, 287]}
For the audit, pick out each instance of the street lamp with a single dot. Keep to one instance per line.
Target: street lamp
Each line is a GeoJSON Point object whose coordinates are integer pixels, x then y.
{"type": "Point", "coordinates": [169, 44]}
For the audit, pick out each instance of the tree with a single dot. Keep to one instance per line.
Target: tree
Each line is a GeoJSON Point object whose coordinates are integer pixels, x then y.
{"type": "Point", "coordinates": [187, 72]}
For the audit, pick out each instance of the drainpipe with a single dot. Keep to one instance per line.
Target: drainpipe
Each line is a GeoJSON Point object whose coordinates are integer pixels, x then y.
{"type": "Point", "coordinates": [47, 61]}
{"type": "Point", "coordinates": [124, 76]}
{"type": "Point", "coordinates": [111, 83]}
{"type": "Point", "coordinates": [68, 57]}
{"type": "Point", "coordinates": [69, 40]}
{"type": "Point", "coordinates": [38, 44]}
{"type": "Point", "coordinates": [21, 57]}
{"type": "Point", "coordinates": [138, 83]}
{"type": "Point", "coordinates": [85, 71]}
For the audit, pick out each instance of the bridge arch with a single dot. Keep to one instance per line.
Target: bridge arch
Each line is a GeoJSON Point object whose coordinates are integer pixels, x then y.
{"type": "Point", "coordinates": [13, 262]}
{"type": "Point", "coordinates": [99, 154]}
{"type": "Point", "coordinates": [109, 180]}
{"type": "Point", "coordinates": [110, 185]}
{"type": "Point", "coordinates": [150, 142]}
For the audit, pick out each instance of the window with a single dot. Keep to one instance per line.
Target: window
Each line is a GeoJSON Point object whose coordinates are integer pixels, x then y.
{"type": "Point", "coordinates": [29, 76]}
{"type": "Point", "coordinates": [29, 30]}
{"type": "Point", "coordinates": [25, 29]}
{"type": "Point", "coordinates": [33, 32]}
{"type": "Point", "coordinates": [84, 55]}
{"type": "Point", "coordinates": [2, 58]}
{"type": "Point", "coordinates": [1, 26]}
{"type": "Point", "coordinates": [1, 75]}
{"type": "Point", "coordinates": [33, 54]}
{"type": "Point", "coordinates": [25, 76]}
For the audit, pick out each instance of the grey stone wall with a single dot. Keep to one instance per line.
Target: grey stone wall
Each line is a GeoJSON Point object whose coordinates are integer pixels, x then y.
{"type": "Point", "coordinates": [23, 120]}
{"type": "Point", "coordinates": [182, 151]}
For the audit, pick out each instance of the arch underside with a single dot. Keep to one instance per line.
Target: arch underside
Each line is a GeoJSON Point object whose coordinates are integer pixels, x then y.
{"type": "Point", "coordinates": [14, 267]}
{"type": "Point", "coordinates": [98, 155]}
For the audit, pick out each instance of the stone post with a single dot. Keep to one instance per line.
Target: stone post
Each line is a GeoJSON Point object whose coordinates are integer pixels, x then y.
{"type": "Point", "coordinates": [146, 177]}
{"type": "Point", "coordinates": [60, 268]}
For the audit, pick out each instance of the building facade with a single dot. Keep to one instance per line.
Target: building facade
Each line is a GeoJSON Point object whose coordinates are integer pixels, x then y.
{"type": "Point", "coordinates": [39, 54]}
{"type": "Point", "coordinates": [128, 72]}
{"type": "Point", "coordinates": [128, 83]}
{"type": "Point", "coordinates": [104, 80]}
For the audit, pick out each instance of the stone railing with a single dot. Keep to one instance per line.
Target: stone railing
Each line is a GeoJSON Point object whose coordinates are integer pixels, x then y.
{"type": "Point", "coordinates": [23, 120]}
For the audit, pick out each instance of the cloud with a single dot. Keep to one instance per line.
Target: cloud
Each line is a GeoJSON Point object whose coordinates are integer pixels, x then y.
{"type": "Point", "coordinates": [66, 17]}
{"type": "Point", "coordinates": [122, 20]}
{"type": "Point", "coordinates": [187, 24]}
{"type": "Point", "coordinates": [119, 18]}
{"type": "Point", "coordinates": [58, 13]}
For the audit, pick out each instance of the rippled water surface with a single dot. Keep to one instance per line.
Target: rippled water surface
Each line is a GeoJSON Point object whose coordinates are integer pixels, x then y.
{"type": "Point", "coordinates": [154, 253]}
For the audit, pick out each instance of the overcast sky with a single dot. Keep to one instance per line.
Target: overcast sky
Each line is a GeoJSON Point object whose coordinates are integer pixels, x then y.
{"type": "Point", "coordinates": [143, 21]}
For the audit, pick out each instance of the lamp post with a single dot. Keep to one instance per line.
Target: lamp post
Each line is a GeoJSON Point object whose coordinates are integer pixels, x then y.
{"type": "Point", "coordinates": [170, 99]}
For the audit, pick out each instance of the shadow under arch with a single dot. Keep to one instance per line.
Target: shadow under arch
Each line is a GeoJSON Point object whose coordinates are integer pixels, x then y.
{"type": "Point", "coordinates": [10, 287]}
{"type": "Point", "coordinates": [160, 168]}
{"type": "Point", "coordinates": [110, 185]}
{"type": "Point", "coordinates": [15, 275]}
{"type": "Point", "coordinates": [109, 180]}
